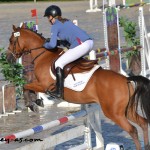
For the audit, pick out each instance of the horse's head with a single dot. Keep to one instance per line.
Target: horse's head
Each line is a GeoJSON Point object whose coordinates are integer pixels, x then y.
{"type": "Point", "coordinates": [22, 41]}
{"type": "Point", "coordinates": [15, 48]}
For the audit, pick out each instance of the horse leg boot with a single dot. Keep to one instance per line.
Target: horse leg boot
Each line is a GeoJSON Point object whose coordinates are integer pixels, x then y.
{"type": "Point", "coordinates": [59, 92]}
{"type": "Point", "coordinates": [33, 96]}
{"type": "Point", "coordinates": [28, 100]}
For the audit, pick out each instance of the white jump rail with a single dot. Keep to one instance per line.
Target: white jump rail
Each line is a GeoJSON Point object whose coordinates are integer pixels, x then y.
{"type": "Point", "coordinates": [91, 118]}
{"type": "Point", "coordinates": [145, 43]}
{"type": "Point", "coordinates": [93, 6]}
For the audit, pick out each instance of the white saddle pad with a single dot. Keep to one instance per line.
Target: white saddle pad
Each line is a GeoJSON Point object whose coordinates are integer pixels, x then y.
{"type": "Point", "coordinates": [81, 79]}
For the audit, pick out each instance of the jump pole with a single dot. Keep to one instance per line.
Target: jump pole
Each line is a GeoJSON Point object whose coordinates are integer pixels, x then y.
{"type": "Point", "coordinates": [92, 114]}
{"type": "Point", "coordinates": [40, 128]}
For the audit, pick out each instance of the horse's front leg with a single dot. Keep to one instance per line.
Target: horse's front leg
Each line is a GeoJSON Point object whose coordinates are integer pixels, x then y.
{"type": "Point", "coordinates": [29, 102]}
{"type": "Point", "coordinates": [30, 95]}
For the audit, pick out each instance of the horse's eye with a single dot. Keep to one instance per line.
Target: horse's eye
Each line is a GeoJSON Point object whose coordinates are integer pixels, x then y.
{"type": "Point", "coordinates": [10, 41]}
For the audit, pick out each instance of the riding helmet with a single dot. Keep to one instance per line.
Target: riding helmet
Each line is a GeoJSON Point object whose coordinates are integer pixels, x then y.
{"type": "Point", "coordinates": [53, 11]}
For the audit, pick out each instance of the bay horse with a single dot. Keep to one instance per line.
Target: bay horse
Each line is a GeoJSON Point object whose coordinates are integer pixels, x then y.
{"type": "Point", "coordinates": [115, 93]}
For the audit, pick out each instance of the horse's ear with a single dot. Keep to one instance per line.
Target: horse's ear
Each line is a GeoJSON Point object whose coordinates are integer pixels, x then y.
{"type": "Point", "coordinates": [14, 28]}
{"type": "Point", "coordinates": [22, 25]}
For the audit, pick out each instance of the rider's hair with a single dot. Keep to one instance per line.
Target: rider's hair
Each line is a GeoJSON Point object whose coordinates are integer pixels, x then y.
{"type": "Point", "coordinates": [62, 19]}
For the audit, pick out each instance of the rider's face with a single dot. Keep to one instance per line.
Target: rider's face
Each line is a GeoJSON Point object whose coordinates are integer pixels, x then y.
{"type": "Point", "coordinates": [51, 20]}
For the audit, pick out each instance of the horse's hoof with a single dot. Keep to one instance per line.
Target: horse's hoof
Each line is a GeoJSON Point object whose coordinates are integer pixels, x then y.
{"type": "Point", "coordinates": [27, 104]}
{"type": "Point", "coordinates": [39, 102]}
{"type": "Point", "coordinates": [33, 107]}
{"type": "Point", "coordinates": [147, 147]}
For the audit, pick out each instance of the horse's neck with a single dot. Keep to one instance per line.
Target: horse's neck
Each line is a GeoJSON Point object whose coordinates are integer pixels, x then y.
{"type": "Point", "coordinates": [32, 40]}
{"type": "Point", "coordinates": [35, 44]}
{"type": "Point", "coordinates": [43, 55]}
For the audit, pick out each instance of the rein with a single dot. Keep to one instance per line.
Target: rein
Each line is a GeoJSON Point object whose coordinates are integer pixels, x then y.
{"type": "Point", "coordinates": [38, 55]}
{"type": "Point", "coordinates": [30, 50]}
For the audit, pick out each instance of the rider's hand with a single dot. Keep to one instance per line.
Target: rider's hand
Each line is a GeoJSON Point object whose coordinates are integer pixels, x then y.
{"type": "Point", "coordinates": [47, 40]}
{"type": "Point", "coordinates": [63, 42]}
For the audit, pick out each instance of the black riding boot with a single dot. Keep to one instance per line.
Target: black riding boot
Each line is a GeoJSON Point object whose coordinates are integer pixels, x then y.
{"type": "Point", "coordinates": [59, 92]}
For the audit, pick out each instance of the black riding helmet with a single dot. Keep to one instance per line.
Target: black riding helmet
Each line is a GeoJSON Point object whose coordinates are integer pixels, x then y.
{"type": "Point", "coordinates": [53, 11]}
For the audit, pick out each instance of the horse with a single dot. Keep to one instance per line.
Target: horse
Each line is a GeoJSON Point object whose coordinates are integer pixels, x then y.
{"type": "Point", "coordinates": [117, 95]}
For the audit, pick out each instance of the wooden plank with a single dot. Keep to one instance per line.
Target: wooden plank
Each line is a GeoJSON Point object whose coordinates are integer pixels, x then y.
{"type": "Point", "coordinates": [112, 30]}
{"type": "Point", "coordinates": [8, 98]}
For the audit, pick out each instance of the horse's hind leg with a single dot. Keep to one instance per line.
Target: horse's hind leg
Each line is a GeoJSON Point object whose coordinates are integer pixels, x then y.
{"type": "Point", "coordinates": [142, 122]}
{"type": "Point", "coordinates": [122, 121]}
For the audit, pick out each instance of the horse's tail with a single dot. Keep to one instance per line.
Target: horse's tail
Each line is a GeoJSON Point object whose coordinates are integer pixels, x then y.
{"type": "Point", "coordinates": [141, 95]}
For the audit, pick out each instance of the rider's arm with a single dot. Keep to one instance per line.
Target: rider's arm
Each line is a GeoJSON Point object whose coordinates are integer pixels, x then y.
{"type": "Point", "coordinates": [53, 41]}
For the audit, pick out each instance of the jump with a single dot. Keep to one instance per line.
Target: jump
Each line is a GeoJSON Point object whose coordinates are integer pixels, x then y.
{"type": "Point", "coordinates": [114, 92]}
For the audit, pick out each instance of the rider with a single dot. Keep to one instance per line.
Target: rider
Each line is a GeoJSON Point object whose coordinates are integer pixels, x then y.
{"type": "Point", "coordinates": [63, 29]}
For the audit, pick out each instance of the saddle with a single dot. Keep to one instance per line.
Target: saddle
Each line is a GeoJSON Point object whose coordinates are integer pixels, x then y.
{"type": "Point", "coordinates": [78, 66]}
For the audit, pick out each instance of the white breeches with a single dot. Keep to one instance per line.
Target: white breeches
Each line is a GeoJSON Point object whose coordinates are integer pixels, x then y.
{"type": "Point", "coordinates": [74, 53]}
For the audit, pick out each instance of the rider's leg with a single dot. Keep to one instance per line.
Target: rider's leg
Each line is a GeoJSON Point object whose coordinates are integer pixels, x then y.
{"type": "Point", "coordinates": [68, 57]}
{"type": "Point", "coordinates": [74, 54]}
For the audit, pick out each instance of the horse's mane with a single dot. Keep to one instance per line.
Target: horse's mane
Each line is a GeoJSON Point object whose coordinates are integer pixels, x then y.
{"type": "Point", "coordinates": [39, 34]}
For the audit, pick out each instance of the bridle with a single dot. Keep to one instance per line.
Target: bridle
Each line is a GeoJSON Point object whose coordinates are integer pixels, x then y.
{"type": "Point", "coordinates": [18, 54]}
{"type": "Point", "coordinates": [13, 51]}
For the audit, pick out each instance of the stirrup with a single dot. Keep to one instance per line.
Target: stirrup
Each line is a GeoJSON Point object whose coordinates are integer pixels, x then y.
{"type": "Point", "coordinates": [54, 95]}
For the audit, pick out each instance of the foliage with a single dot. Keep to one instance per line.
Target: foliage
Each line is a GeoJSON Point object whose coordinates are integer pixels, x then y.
{"type": "Point", "coordinates": [12, 72]}
{"type": "Point", "coordinates": [130, 35]}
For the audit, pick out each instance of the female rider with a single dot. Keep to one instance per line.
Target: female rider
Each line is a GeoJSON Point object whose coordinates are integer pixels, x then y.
{"type": "Point", "coordinates": [63, 29]}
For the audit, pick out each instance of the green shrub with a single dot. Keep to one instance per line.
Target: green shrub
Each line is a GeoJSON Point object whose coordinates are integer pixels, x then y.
{"type": "Point", "coordinates": [12, 72]}
{"type": "Point", "coordinates": [130, 34]}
